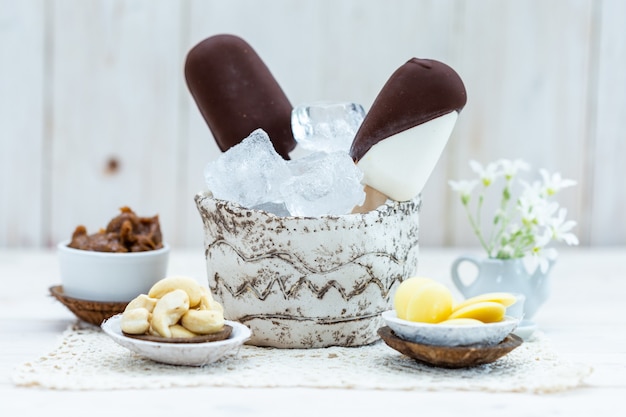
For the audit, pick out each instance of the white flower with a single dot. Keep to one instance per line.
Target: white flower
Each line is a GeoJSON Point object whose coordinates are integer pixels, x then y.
{"type": "Point", "coordinates": [539, 255]}
{"type": "Point", "coordinates": [552, 184]}
{"type": "Point", "coordinates": [486, 174]}
{"type": "Point", "coordinates": [533, 206]}
{"type": "Point", "coordinates": [545, 211]}
{"type": "Point", "coordinates": [540, 260]}
{"type": "Point", "coordinates": [532, 190]}
{"type": "Point", "coordinates": [529, 206]}
{"type": "Point", "coordinates": [560, 228]}
{"type": "Point", "coordinates": [511, 168]}
{"type": "Point", "coordinates": [464, 188]}
{"type": "Point", "coordinates": [526, 227]}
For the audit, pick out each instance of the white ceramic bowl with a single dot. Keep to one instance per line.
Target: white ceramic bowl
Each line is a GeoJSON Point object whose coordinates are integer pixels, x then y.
{"type": "Point", "coordinates": [526, 329]}
{"type": "Point", "coordinates": [188, 354]}
{"type": "Point", "coordinates": [106, 276]}
{"type": "Point", "coordinates": [487, 334]}
{"type": "Point", "coordinates": [308, 282]}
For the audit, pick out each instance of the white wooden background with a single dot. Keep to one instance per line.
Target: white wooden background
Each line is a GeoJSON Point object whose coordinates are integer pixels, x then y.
{"type": "Point", "coordinates": [88, 84]}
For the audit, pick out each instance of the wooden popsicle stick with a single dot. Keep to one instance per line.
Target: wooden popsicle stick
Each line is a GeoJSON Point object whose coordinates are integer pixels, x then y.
{"type": "Point", "coordinates": [373, 200]}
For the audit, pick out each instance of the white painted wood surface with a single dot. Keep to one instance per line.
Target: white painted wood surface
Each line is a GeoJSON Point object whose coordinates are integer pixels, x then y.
{"type": "Point", "coordinates": [84, 83]}
{"type": "Point", "coordinates": [23, 140]}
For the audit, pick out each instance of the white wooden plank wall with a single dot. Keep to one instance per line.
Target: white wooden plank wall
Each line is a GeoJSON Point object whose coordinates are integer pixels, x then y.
{"type": "Point", "coordinates": [95, 113]}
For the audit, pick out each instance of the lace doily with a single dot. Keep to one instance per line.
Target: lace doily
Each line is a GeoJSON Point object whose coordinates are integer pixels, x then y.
{"type": "Point", "coordinates": [87, 359]}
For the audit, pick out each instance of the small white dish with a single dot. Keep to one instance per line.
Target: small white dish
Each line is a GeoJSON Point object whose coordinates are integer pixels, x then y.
{"type": "Point", "coordinates": [188, 354]}
{"type": "Point", "coordinates": [525, 329]}
{"type": "Point", "coordinates": [110, 276]}
{"type": "Point", "coordinates": [487, 334]}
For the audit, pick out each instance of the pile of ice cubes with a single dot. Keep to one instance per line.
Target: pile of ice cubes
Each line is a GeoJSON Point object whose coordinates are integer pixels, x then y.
{"type": "Point", "coordinates": [325, 181]}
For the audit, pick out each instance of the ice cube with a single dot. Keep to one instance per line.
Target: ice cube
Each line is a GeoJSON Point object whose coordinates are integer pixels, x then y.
{"type": "Point", "coordinates": [277, 208]}
{"type": "Point", "coordinates": [326, 126]}
{"type": "Point", "coordinates": [323, 183]}
{"type": "Point", "coordinates": [249, 173]}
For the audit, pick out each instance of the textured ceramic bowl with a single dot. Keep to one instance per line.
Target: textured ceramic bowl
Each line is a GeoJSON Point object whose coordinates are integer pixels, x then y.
{"type": "Point", "coordinates": [487, 334]}
{"type": "Point", "coordinates": [304, 282]}
{"type": "Point", "coordinates": [188, 354]}
{"type": "Point", "coordinates": [110, 277]}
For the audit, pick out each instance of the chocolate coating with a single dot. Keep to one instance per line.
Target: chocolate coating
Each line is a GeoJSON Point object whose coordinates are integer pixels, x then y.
{"type": "Point", "coordinates": [417, 92]}
{"type": "Point", "coordinates": [237, 94]}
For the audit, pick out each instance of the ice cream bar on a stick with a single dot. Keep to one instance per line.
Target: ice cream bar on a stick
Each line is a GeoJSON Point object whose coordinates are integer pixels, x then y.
{"type": "Point", "coordinates": [406, 129]}
{"type": "Point", "coordinates": [237, 94]}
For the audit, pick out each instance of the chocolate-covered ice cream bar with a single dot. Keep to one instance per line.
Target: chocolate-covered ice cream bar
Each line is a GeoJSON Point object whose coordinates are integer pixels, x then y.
{"type": "Point", "coordinates": [237, 94]}
{"type": "Point", "coordinates": [407, 127]}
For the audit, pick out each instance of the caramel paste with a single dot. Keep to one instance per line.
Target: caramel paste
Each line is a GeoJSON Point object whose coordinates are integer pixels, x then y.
{"type": "Point", "coordinates": [125, 233]}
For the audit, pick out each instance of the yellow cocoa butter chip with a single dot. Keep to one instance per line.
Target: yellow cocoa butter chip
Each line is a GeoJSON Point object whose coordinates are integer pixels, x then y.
{"type": "Point", "coordinates": [430, 303]}
{"type": "Point", "coordinates": [405, 292]}
{"type": "Point", "coordinates": [461, 322]}
{"type": "Point", "coordinates": [485, 311]}
{"type": "Point", "coordinates": [504, 298]}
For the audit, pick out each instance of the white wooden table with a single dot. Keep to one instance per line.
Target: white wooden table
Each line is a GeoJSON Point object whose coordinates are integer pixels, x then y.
{"type": "Point", "coordinates": [584, 319]}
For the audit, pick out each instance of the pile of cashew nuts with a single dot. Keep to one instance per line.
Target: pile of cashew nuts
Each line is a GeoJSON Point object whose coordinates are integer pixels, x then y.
{"type": "Point", "coordinates": [174, 307]}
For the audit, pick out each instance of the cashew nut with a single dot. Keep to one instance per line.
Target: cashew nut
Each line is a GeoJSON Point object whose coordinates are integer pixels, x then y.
{"type": "Point", "coordinates": [135, 321]}
{"type": "Point", "coordinates": [142, 301]}
{"type": "Point", "coordinates": [215, 306]}
{"type": "Point", "coordinates": [187, 284]}
{"type": "Point", "coordinates": [179, 331]}
{"type": "Point", "coordinates": [168, 310]}
{"type": "Point", "coordinates": [165, 310]}
{"type": "Point", "coordinates": [203, 321]}
{"type": "Point", "coordinates": [208, 303]}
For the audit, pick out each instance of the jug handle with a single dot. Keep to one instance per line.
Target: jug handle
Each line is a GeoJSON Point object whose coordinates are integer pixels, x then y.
{"type": "Point", "coordinates": [456, 279]}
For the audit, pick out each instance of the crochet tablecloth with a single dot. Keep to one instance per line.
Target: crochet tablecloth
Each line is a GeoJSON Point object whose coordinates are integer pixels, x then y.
{"type": "Point", "coordinates": [87, 359]}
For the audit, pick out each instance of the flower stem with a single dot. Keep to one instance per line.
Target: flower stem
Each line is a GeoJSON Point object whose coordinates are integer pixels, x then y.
{"type": "Point", "coordinates": [503, 216]}
{"type": "Point", "coordinates": [476, 229]}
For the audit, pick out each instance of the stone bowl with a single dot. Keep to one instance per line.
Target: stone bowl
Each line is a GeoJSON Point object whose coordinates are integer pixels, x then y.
{"type": "Point", "coordinates": [441, 334]}
{"type": "Point", "coordinates": [308, 282]}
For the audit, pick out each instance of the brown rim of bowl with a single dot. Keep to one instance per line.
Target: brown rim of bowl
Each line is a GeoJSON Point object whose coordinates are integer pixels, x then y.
{"type": "Point", "coordinates": [452, 357]}
{"type": "Point", "coordinates": [213, 337]}
{"type": "Point", "coordinates": [93, 312]}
